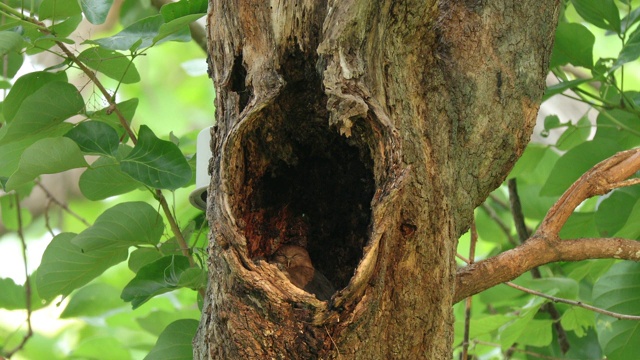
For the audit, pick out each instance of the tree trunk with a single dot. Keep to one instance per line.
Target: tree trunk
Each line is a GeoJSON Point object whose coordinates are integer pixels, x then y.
{"type": "Point", "coordinates": [366, 132]}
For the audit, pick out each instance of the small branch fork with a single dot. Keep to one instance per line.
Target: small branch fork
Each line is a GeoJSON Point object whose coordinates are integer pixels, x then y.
{"type": "Point", "coordinates": [545, 246]}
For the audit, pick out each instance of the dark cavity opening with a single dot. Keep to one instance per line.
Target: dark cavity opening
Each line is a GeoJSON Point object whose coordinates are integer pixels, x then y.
{"type": "Point", "coordinates": [238, 82]}
{"type": "Point", "coordinates": [304, 184]}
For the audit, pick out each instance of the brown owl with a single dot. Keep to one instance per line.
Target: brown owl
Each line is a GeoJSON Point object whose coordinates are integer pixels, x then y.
{"type": "Point", "coordinates": [295, 262]}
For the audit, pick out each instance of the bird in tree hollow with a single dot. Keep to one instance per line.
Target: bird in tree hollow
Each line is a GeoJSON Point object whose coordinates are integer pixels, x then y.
{"type": "Point", "coordinates": [295, 262]}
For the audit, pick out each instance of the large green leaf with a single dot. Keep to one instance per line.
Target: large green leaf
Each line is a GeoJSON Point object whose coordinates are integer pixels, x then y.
{"type": "Point", "coordinates": [50, 105]}
{"type": "Point", "coordinates": [111, 63]}
{"type": "Point", "coordinates": [576, 162]}
{"type": "Point", "coordinates": [141, 257]}
{"type": "Point", "coordinates": [175, 341]}
{"type": "Point", "coordinates": [601, 13]}
{"type": "Point", "coordinates": [101, 347]}
{"type": "Point", "coordinates": [172, 11]}
{"type": "Point", "coordinates": [623, 126]}
{"type": "Point", "coordinates": [157, 320]}
{"type": "Point", "coordinates": [613, 212]}
{"type": "Point", "coordinates": [157, 163]}
{"type": "Point", "coordinates": [122, 226]}
{"type": "Point", "coordinates": [12, 296]}
{"type": "Point", "coordinates": [96, 11]}
{"type": "Point", "coordinates": [10, 153]}
{"type": "Point", "coordinates": [46, 156]}
{"type": "Point", "coordinates": [573, 44]}
{"type": "Point", "coordinates": [163, 275]}
{"type": "Point", "coordinates": [140, 34]}
{"type": "Point", "coordinates": [66, 267]}
{"type": "Point", "coordinates": [630, 51]}
{"type": "Point", "coordinates": [58, 9]}
{"type": "Point", "coordinates": [24, 87]}
{"type": "Point", "coordinates": [511, 332]}
{"type": "Point", "coordinates": [105, 179]}
{"type": "Point", "coordinates": [95, 137]}
{"type": "Point", "coordinates": [177, 29]}
{"type": "Point", "coordinates": [9, 41]}
{"type": "Point", "coordinates": [618, 290]}
{"type": "Point", "coordinates": [92, 300]}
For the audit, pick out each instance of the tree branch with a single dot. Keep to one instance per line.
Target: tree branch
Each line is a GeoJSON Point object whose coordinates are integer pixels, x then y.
{"type": "Point", "coordinates": [545, 246]}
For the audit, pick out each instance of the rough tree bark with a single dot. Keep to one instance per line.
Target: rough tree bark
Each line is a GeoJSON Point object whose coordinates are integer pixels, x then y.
{"type": "Point", "coordinates": [367, 132]}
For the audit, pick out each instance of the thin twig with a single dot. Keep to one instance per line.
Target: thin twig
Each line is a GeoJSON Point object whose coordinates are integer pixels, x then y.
{"type": "Point", "coordinates": [574, 303]}
{"type": "Point", "coordinates": [27, 282]}
{"type": "Point", "coordinates": [62, 205]}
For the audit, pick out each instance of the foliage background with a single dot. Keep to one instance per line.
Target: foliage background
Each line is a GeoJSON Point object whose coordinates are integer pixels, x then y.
{"type": "Point", "coordinates": [594, 63]}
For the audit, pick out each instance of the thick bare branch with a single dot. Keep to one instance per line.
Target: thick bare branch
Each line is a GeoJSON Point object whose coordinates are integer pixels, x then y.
{"type": "Point", "coordinates": [545, 246]}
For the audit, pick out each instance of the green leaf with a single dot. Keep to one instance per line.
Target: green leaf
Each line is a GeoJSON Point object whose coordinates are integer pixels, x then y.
{"type": "Point", "coordinates": [141, 32]}
{"type": "Point", "coordinates": [65, 267]}
{"type": "Point", "coordinates": [553, 122]}
{"type": "Point", "coordinates": [158, 277]}
{"type": "Point", "coordinates": [175, 341]}
{"type": "Point", "coordinates": [157, 320]}
{"type": "Point", "coordinates": [573, 44]}
{"type": "Point", "coordinates": [92, 300]}
{"type": "Point", "coordinates": [561, 87]}
{"type": "Point", "coordinates": [10, 153]}
{"type": "Point", "coordinates": [560, 287]}
{"type": "Point", "coordinates": [178, 29]}
{"type": "Point", "coordinates": [579, 225]}
{"type": "Point", "coordinates": [538, 333]}
{"type": "Point", "coordinates": [578, 320]}
{"type": "Point", "coordinates": [58, 9]}
{"type": "Point", "coordinates": [46, 156]}
{"type": "Point", "coordinates": [172, 11]}
{"type": "Point", "coordinates": [511, 332]}
{"type": "Point", "coordinates": [24, 87]}
{"type": "Point", "coordinates": [96, 11]}
{"type": "Point", "coordinates": [631, 229]}
{"type": "Point", "coordinates": [128, 110]}
{"type": "Point", "coordinates": [141, 257]}
{"type": "Point", "coordinates": [630, 51]}
{"type": "Point", "coordinates": [105, 179]}
{"type": "Point", "coordinates": [9, 214]}
{"type": "Point", "coordinates": [9, 42]}
{"type": "Point", "coordinates": [122, 226]}
{"type": "Point", "coordinates": [601, 13]}
{"type": "Point", "coordinates": [614, 210]}
{"type": "Point", "coordinates": [101, 347]}
{"type": "Point", "coordinates": [95, 137]}
{"type": "Point", "coordinates": [576, 162]}
{"type": "Point", "coordinates": [620, 125]}
{"type": "Point", "coordinates": [575, 134]}
{"type": "Point", "coordinates": [50, 105]}
{"type": "Point", "coordinates": [618, 290]}
{"type": "Point", "coordinates": [12, 296]}
{"type": "Point", "coordinates": [156, 163]}
{"type": "Point", "coordinates": [111, 63]}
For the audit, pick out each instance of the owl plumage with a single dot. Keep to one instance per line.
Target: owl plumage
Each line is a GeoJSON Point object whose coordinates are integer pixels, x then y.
{"type": "Point", "coordinates": [295, 262]}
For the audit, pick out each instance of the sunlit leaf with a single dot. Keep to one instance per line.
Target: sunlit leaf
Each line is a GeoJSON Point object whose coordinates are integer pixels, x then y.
{"type": "Point", "coordinates": [158, 320]}
{"type": "Point", "coordinates": [576, 162]}
{"type": "Point", "coordinates": [578, 320]}
{"type": "Point", "coordinates": [574, 45]}
{"type": "Point", "coordinates": [46, 156]}
{"type": "Point", "coordinates": [601, 13]}
{"type": "Point", "coordinates": [58, 9]}
{"type": "Point", "coordinates": [124, 225]}
{"type": "Point", "coordinates": [630, 51]}
{"type": "Point", "coordinates": [575, 134]}
{"type": "Point", "coordinates": [9, 41]}
{"type": "Point", "coordinates": [50, 105]}
{"type": "Point", "coordinates": [172, 11]}
{"type": "Point", "coordinates": [12, 296]}
{"type": "Point", "coordinates": [156, 163]}
{"type": "Point", "coordinates": [101, 347]}
{"type": "Point", "coordinates": [26, 86]}
{"type": "Point", "coordinates": [66, 267]}
{"type": "Point", "coordinates": [142, 32]}
{"type": "Point", "coordinates": [96, 11]}
{"type": "Point", "coordinates": [92, 300]}
{"type": "Point", "coordinates": [177, 29]}
{"type": "Point", "coordinates": [111, 63]}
